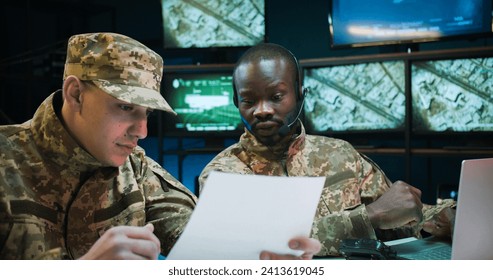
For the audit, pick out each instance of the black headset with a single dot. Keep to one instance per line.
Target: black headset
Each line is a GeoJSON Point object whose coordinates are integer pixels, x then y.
{"type": "Point", "coordinates": [299, 96]}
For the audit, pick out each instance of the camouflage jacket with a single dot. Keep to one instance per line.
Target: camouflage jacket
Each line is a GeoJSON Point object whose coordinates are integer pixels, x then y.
{"type": "Point", "coordinates": [352, 180]}
{"type": "Point", "coordinates": [56, 200]}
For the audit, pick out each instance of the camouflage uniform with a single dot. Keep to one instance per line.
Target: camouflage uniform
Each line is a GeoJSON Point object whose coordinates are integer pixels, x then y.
{"type": "Point", "coordinates": [56, 199]}
{"type": "Point", "coordinates": [352, 180]}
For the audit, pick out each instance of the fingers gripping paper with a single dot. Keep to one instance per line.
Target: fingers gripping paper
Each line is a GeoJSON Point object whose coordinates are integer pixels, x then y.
{"type": "Point", "coordinates": [238, 216]}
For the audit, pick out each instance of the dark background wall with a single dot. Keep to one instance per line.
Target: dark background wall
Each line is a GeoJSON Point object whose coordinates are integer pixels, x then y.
{"type": "Point", "coordinates": [35, 32]}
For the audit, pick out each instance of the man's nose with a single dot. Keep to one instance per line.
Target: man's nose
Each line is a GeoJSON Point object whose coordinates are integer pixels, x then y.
{"type": "Point", "coordinates": [139, 128]}
{"type": "Point", "coordinates": [263, 109]}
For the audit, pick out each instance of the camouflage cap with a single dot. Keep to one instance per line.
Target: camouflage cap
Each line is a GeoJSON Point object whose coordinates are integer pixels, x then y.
{"type": "Point", "coordinates": [121, 66]}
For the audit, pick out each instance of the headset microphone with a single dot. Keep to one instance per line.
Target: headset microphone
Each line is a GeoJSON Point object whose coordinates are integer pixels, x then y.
{"type": "Point", "coordinates": [247, 125]}
{"type": "Point", "coordinates": [285, 128]}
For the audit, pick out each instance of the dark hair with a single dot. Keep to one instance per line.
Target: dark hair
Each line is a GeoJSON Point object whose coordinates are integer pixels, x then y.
{"type": "Point", "coordinates": [267, 51]}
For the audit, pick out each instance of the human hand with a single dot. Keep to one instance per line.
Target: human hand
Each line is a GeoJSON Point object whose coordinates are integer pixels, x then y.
{"type": "Point", "coordinates": [309, 246]}
{"type": "Point", "coordinates": [442, 224]}
{"type": "Point", "coordinates": [400, 205]}
{"type": "Point", "coordinates": [125, 243]}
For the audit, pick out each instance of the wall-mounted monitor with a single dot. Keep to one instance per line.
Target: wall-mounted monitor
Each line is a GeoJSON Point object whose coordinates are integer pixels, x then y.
{"type": "Point", "coordinates": [355, 23]}
{"type": "Point", "coordinates": [452, 95]}
{"type": "Point", "coordinates": [202, 97]}
{"type": "Point", "coordinates": [207, 24]}
{"type": "Point", "coordinates": [357, 97]}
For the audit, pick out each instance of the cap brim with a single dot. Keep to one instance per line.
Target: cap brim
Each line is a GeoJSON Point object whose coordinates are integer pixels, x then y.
{"type": "Point", "coordinates": [135, 95]}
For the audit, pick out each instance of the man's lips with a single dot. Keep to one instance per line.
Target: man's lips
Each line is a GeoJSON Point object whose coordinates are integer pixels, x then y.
{"type": "Point", "coordinates": [266, 128]}
{"type": "Point", "coordinates": [128, 147]}
{"type": "Point", "coordinates": [266, 125]}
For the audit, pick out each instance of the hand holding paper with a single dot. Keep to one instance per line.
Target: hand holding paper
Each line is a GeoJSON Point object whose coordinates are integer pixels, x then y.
{"type": "Point", "coordinates": [238, 216]}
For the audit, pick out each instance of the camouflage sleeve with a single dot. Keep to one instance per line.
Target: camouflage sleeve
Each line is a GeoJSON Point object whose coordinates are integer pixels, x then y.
{"type": "Point", "coordinates": [225, 161]}
{"type": "Point", "coordinates": [429, 211]}
{"type": "Point", "coordinates": [332, 229]}
{"type": "Point", "coordinates": [355, 223]}
{"type": "Point", "coordinates": [345, 196]}
{"type": "Point", "coordinates": [169, 205]}
{"type": "Point", "coordinates": [373, 193]}
{"type": "Point", "coordinates": [54, 254]}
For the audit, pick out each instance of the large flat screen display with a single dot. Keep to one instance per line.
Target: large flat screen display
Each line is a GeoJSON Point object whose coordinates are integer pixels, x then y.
{"type": "Point", "coordinates": [454, 95]}
{"type": "Point", "coordinates": [217, 23]}
{"type": "Point", "coordinates": [203, 102]}
{"type": "Point", "coordinates": [354, 23]}
{"type": "Point", "coordinates": [355, 97]}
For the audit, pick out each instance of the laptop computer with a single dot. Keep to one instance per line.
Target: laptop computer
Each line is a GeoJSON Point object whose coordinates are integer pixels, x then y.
{"type": "Point", "coordinates": [473, 222]}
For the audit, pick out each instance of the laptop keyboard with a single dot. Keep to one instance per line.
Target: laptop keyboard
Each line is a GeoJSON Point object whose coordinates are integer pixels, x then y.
{"type": "Point", "coordinates": [439, 253]}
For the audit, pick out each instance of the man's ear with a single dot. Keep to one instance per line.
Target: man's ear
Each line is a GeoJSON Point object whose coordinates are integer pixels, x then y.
{"type": "Point", "coordinates": [72, 91]}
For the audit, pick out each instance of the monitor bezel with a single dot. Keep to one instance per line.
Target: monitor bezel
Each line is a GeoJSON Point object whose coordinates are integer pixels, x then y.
{"type": "Point", "coordinates": [409, 43]}
{"type": "Point", "coordinates": [482, 52]}
{"type": "Point", "coordinates": [213, 48]}
{"type": "Point", "coordinates": [439, 139]}
{"type": "Point", "coordinates": [168, 130]}
{"type": "Point", "coordinates": [352, 60]}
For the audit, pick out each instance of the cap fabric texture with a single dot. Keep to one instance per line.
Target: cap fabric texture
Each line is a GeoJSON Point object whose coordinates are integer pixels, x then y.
{"type": "Point", "coordinates": [119, 65]}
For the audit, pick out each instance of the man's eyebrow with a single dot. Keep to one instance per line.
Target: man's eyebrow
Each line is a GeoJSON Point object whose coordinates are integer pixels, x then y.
{"type": "Point", "coordinates": [246, 91]}
{"type": "Point", "coordinates": [242, 97]}
{"type": "Point", "coordinates": [277, 84]}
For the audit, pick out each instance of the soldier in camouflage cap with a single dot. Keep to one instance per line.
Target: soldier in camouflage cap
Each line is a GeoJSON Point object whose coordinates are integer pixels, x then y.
{"type": "Point", "coordinates": [358, 200]}
{"type": "Point", "coordinates": [73, 181]}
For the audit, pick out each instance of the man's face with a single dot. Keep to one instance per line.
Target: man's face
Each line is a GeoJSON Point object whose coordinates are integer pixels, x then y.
{"type": "Point", "coordinates": [266, 96]}
{"type": "Point", "coordinates": [109, 128]}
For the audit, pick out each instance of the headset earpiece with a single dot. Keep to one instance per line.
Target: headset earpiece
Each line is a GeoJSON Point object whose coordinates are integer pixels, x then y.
{"type": "Point", "coordinates": [235, 94]}
{"type": "Point", "coordinates": [303, 93]}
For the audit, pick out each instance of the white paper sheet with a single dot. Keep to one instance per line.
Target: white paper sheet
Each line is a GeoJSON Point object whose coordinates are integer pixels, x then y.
{"type": "Point", "coordinates": [238, 216]}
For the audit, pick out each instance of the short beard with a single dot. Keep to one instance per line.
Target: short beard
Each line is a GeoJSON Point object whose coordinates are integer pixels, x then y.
{"type": "Point", "coordinates": [269, 142]}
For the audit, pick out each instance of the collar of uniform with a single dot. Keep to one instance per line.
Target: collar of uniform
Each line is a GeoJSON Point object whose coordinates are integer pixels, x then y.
{"type": "Point", "coordinates": [286, 148]}
{"type": "Point", "coordinates": [50, 134]}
